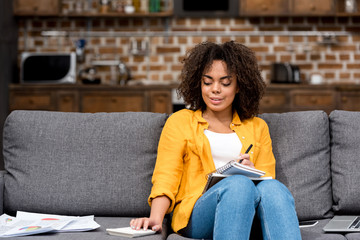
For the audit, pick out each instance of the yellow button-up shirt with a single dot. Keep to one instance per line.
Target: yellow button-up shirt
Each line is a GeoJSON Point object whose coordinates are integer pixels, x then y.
{"type": "Point", "coordinates": [184, 158]}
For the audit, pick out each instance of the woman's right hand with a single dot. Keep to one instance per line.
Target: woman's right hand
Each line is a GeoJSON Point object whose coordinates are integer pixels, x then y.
{"type": "Point", "coordinates": [158, 209]}
{"type": "Point", "coordinates": [146, 223]}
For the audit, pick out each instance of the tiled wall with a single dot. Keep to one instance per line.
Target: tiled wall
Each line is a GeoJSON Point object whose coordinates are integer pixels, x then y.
{"type": "Point", "coordinates": [290, 39]}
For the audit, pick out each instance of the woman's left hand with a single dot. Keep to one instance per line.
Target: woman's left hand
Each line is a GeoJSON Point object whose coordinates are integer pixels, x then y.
{"type": "Point", "coordinates": [245, 160]}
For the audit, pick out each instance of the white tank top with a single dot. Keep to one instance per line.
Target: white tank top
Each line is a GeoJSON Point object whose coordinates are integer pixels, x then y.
{"type": "Point", "coordinates": [224, 147]}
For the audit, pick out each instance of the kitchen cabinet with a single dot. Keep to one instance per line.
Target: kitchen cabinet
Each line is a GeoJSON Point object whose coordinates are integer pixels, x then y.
{"type": "Point", "coordinates": [313, 7]}
{"type": "Point", "coordinates": [303, 97]}
{"type": "Point", "coordinates": [286, 7]}
{"type": "Point", "coordinates": [90, 98]}
{"type": "Point", "coordinates": [66, 101]}
{"type": "Point", "coordinates": [309, 99]}
{"type": "Point", "coordinates": [275, 100]}
{"type": "Point", "coordinates": [110, 101]}
{"type": "Point", "coordinates": [264, 7]}
{"type": "Point", "coordinates": [36, 7]}
{"type": "Point", "coordinates": [349, 98]}
{"type": "Point", "coordinates": [31, 100]}
{"type": "Point", "coordinates": [161, 101]}
{"type": "Point", "coordinates": [102, 98]}
{"type": "Point", "coordinates": [350, 101]}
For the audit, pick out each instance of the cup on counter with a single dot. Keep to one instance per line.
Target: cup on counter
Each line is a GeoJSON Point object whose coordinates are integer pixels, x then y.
{"type": "Point", "coordinates": [316, 78]}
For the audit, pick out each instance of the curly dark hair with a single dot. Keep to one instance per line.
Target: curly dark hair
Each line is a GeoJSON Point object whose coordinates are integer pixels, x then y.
{"type": "Point", "coordinates": [241, 62]}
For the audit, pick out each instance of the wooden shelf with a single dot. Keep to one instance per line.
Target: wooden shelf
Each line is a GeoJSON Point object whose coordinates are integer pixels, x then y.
{"type": "Point", "coordinates": [115, 14]}
{"type": "Point", "coordinates": [344, 14]}
{"type": "Point", "coordinates": [94, 15]}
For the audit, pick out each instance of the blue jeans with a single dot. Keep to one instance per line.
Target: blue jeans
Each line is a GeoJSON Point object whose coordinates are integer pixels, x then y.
{"type": "Point", "coordinates": [226, 211]}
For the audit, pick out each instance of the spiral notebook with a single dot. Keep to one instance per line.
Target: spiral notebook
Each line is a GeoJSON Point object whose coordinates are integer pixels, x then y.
{"type": "Point", "coordinates": [233, 168]}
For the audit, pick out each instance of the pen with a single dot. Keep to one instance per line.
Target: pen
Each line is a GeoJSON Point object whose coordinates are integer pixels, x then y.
{"type": "Point", "coordinates": [246, 152]}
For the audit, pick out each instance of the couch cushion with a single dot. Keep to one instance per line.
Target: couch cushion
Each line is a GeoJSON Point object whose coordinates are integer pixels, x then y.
{"type": "Point", "coordinates": [80, 163]}
{"type": "Point", "coordinates": [2, 173]}
{"type": "Point", "coordinates": [345, 161]}
{"type": "Point", "coordinates": [308, 233]}
{"type": "Point", "coordinates": [301, 145]}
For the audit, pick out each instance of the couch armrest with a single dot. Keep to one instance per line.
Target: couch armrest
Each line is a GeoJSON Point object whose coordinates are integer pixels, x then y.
{"type": "Point", "coordinates": [2, 184]}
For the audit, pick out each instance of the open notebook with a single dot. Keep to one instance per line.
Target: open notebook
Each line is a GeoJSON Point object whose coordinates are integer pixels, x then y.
{"type": "Point", "coordinates": [233, 168]}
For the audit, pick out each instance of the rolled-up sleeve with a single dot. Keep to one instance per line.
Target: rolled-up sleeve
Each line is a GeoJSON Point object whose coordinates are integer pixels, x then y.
{"type": "Point", "coordinates": [265, 158]}
{"type": "Point", "coordinates": [169, 163]}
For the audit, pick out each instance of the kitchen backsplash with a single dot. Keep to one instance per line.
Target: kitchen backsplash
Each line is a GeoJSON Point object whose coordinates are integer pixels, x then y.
{"type": "Point", "coordinates": [153, 47]}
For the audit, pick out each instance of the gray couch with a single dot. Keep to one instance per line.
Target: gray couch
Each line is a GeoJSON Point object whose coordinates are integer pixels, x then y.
{"type": "Point", "coordinates": [101, 164]}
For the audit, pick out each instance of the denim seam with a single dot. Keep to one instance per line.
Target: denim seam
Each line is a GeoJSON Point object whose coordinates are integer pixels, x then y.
{"type": "Point", "coordinates": [218, 194]}
{"type": "Point", "coordinates": [265, 228]}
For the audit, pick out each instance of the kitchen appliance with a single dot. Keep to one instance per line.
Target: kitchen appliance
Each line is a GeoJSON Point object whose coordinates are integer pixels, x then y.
{"type": "Point", "coordinates": [206, 8]}
{"type": "Point", "coordinates": [48, 67]}
{"type": "Point", "coordinates": [285, 73]}
{"type": "Point", "coordinates": [120, 73]}
{"type": "Point", "coordinates": [89, 76]}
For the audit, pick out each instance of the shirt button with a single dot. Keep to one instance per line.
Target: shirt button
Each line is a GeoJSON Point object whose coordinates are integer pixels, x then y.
{"type": "Point", "coordinates": [243, 137]}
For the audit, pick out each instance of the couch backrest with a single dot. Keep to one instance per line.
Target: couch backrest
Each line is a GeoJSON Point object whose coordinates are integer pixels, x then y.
{"type": "Point", "coordinates": [345, 161]}
{"type": "Point", "coordinates": [80, 163]}
{"type": "Point", "coordinates": [301, 145]}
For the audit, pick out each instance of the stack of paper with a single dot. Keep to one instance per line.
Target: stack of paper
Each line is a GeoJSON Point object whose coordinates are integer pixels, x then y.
{"type": "Point", "coordinates": [26, 223]}
{"type": "Point", "coordinates": [129, 232]}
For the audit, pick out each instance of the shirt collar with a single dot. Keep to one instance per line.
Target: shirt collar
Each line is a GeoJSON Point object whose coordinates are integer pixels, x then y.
{"type": "Point", "coordinates": [235, 121]}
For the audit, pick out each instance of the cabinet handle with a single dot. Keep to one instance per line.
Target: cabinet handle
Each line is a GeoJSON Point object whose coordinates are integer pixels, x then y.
{"type": "Point", "coordinates": [267, 101]}
{"type": "Point", "coordinates": [313, 100]}
{"type": "Point", "coordinates": [113, 100]}
{"type": "Point", "coordinates": [264, 7]}
{"type": "Point", "coordinates": [313, 8]}
{"type": "Point", "coordinates": [31, 102]}
{"type": "Point", "coordinates": [344, 99]}
{"type": "Point", "coordinates": [161, 99]}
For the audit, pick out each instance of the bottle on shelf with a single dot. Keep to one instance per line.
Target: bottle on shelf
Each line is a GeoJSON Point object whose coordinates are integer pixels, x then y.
{"type": "Point", "coordinates": [154, 6]}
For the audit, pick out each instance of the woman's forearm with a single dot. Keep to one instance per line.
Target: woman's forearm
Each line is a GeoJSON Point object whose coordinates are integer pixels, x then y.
{"type": "Point", "coordinates": [159, 206]}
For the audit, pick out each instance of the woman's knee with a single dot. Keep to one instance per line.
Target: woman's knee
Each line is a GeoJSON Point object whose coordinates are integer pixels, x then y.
{"type": "Point", "coordinates": [273, 189]}
{"type": "Point", "coordinates": [238, 185]}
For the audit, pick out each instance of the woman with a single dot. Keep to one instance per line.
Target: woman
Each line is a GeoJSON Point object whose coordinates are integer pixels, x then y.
{"type": "Point", "coordinates": [223, 86]}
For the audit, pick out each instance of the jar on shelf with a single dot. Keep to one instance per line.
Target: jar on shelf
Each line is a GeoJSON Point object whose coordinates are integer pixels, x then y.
{"type": "Point", "coordinates": [144, 6]}
{"type": "Point", "coordinates": [350, 6]}
{"type": "Point", "coordinates": [137, 5]}
{"type": "Point", "coordinates": [104, 6]}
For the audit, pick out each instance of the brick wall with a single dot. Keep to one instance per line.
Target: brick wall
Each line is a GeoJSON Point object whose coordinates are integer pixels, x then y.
{"type": "Point", "coordinates": [111, 38]}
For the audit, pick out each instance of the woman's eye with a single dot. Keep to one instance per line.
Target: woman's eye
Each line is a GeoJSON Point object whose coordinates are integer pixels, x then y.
{"type": "Point", "coordinates": [207, 83]}
{"type": "Point", "coordinates": [226, 84]}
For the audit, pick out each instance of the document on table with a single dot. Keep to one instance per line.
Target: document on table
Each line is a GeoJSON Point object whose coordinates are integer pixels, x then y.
{"type": "Point", "coordinates": [26, 223]}
{"type": "Point", "coordinates": [129, 232]}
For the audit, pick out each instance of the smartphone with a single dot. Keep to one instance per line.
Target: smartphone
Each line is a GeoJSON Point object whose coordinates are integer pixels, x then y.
{"type": "Point", "coordinates": [310, 223]}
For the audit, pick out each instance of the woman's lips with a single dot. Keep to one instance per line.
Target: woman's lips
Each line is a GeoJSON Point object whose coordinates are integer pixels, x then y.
{"type": "Point", "coordinates": [215, 100]}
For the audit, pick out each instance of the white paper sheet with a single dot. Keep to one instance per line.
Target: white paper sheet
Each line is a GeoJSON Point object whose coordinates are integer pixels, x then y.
{"type": "Point", "coordinates": [26, 223]}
